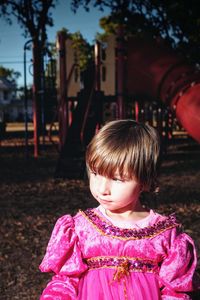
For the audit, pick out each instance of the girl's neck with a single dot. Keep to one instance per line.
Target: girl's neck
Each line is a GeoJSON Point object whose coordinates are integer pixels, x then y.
{"type": "Point", "coordinates": [129, 215]}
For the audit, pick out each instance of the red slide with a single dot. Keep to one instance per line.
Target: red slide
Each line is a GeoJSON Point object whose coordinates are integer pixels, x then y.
{"type": "Point", "coordinates": [155, 71]}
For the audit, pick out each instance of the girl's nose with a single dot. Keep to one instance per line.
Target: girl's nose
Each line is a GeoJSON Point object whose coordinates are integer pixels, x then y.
{"type": "Point", "coordinates": [103, 186]}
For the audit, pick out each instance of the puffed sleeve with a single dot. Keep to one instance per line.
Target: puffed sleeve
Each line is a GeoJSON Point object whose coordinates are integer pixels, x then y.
{"type": "Point", "coordinates": [63, 258]}
{"type": "Point", "coordinates": [177, 273]}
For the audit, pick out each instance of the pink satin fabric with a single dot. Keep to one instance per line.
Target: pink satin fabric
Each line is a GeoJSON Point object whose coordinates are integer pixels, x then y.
{"type": "Point", "coordinates": [85, 236]}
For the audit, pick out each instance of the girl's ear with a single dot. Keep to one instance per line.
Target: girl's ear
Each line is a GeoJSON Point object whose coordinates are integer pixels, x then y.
{"type": "Point", "coordinates": [141, 188]}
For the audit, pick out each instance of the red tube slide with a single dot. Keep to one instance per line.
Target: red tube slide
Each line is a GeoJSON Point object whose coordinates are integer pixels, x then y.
{"type": "Point", "coordinates": [155, 71]}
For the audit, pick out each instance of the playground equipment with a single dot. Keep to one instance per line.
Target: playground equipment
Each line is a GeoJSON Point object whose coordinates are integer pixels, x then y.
{"type": "Point", "coordinates": [142, 68]}
{"type": "Point", "coordinates": [155, 71]}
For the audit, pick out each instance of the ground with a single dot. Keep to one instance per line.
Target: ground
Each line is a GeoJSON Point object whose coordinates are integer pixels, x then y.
{"type": "Point", "coordinates": [31, 201]}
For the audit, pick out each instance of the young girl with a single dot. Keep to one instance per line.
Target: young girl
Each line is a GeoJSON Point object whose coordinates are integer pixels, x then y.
{"type": "Point", "coordinates": [120, 250]}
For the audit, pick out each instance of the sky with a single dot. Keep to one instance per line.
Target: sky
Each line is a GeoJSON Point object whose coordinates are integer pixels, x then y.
{"type": "Point", "coordinates": [12, 40]}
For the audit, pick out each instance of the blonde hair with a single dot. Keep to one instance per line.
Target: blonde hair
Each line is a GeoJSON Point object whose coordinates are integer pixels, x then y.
{"type": "Point", "coordinates": [128, 148]}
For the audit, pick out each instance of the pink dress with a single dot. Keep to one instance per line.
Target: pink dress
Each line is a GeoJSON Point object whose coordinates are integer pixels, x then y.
{"type": "Point", "coordinates": [92, 259]}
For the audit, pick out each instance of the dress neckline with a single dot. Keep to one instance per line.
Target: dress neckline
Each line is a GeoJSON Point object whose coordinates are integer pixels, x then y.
{"type": "Point", "coordinates": [106, 228]}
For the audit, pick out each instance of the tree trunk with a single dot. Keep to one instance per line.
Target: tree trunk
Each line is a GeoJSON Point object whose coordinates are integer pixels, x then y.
{"type": "Point", "coordinates": [62, 96]}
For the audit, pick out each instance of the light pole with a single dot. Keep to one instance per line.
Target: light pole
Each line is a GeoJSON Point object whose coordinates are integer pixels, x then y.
{"type": "Point", "coordinates": [26, 99]}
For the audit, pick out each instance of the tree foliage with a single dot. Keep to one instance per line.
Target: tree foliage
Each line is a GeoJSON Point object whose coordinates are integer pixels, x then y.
{"type": "Point", "coordinates": [9, 74]}
{"type": "Point", "coordinates": [83, 50]}
{"type": "Point", "coordinates": [176, 21]}
{"type": "Point", "coordinates": [32, 15]}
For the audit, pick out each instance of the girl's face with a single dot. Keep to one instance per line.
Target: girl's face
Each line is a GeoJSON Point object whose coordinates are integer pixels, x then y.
{"type": "Point", "coordinates": [115, 194]}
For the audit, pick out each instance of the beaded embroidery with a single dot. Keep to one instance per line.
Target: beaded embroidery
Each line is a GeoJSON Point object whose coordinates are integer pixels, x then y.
{"type": "Point", "coordinates": [123, 264]}
{"type": "Point", "coordinates": [108, 229]}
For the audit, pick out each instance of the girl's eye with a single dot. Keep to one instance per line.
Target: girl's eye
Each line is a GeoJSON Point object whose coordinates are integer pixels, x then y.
{"type": "Point", "coordinates": [117, 179]}
{"type": "Point", "coordinates": [93, 173]}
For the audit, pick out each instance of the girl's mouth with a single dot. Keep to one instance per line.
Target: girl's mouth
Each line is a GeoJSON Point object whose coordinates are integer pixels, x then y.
{"type": "Point", "coordinates": [105, 201]}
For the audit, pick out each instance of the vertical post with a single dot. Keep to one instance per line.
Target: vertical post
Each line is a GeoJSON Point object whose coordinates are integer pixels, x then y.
{"type": "Point", "coordinates": [42, 96]}
{"type": "Point", "coordinates": [120, 71]}
{"type": "Point", "coordinates": [62, 101]}
{"type": "Point", "coordinates": [26, 100]}
{"type": "Point", "coordinates": [36, 98]}
{"type": "Point", "coordinates": [97, 53]}
{"type": "Point", "coordinates": [136, 111]}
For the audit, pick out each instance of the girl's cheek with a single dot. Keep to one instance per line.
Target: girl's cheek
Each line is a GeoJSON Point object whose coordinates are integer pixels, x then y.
{"type": "Point", "coordinates": [92, 182]}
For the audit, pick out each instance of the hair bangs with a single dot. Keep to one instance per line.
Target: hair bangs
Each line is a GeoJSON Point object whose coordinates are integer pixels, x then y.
{"type": "Point", "coordinates": [112, 163]}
